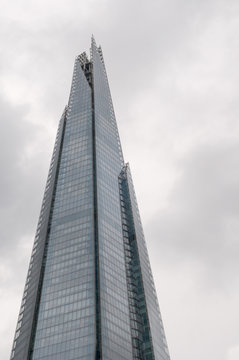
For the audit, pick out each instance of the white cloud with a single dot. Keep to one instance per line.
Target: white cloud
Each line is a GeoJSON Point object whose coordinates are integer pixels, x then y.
{"type": "Point", "coordinates": [233, 353]}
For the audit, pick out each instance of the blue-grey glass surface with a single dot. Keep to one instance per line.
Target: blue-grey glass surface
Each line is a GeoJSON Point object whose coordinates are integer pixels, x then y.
{"type": "Point", "coordinates": [22, 344]}
{"type": "Point", "coordinates": [115, 324]}
{"type": "Point", "coordinates": [160, 347]}
{"type": "Point", "coordinates": [89, 293]}
{"type": "Point", "coordinates": [65, 327]}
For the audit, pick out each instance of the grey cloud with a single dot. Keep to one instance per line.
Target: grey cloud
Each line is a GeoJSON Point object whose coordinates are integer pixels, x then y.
{"type": "Point", "coordinates": [20, 181]}
{"type": "Point", "coordinates": [194, 249]}
{"type": "Point", "coordinates": [201, 221]}
{"type": "Point", "coordinates": [172, 68]}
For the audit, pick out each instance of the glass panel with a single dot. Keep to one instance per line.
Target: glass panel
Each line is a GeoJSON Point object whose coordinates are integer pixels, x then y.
{"type": "Point", "coordinates": [65, 328]}
{"type": "Point", "coordinates": [115, 325]}
{"type": "Point", "coordinates": [155, 322]}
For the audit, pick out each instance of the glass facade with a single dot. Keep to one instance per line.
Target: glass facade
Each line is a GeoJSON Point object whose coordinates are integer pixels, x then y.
{"type": "Point", "coordinates": [89, 292]}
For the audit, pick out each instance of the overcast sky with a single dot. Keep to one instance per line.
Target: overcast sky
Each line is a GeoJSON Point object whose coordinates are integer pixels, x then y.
{"type": "Point", "coordinates": [173, 71]}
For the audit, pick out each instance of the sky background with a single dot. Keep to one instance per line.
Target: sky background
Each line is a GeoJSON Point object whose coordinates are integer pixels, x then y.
{"type": "Point", "coordinates": [173, 72]}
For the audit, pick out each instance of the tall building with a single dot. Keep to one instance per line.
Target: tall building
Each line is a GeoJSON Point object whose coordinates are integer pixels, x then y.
{"type": "Point", "coordinates": [89, 292]}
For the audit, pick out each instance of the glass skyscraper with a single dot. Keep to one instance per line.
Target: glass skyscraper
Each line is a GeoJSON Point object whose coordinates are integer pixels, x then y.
{"type": "Point", "coordinates": [89, 292]}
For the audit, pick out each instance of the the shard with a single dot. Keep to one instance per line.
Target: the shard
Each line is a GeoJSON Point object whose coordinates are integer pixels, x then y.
{"type": "Point", "coordinates": [89, 292]}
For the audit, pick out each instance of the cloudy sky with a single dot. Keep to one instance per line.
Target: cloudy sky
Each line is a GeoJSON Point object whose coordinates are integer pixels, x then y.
{"type": "Point", "coordinates": [173, 72]}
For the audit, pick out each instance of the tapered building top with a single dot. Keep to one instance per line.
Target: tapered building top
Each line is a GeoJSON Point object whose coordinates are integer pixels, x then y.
{"type": "Point", "coordinates": [89, 292]}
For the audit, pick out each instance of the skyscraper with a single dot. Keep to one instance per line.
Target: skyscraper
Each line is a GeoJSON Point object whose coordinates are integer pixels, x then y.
{"type": "Point", "coordinates": [89, 292]}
